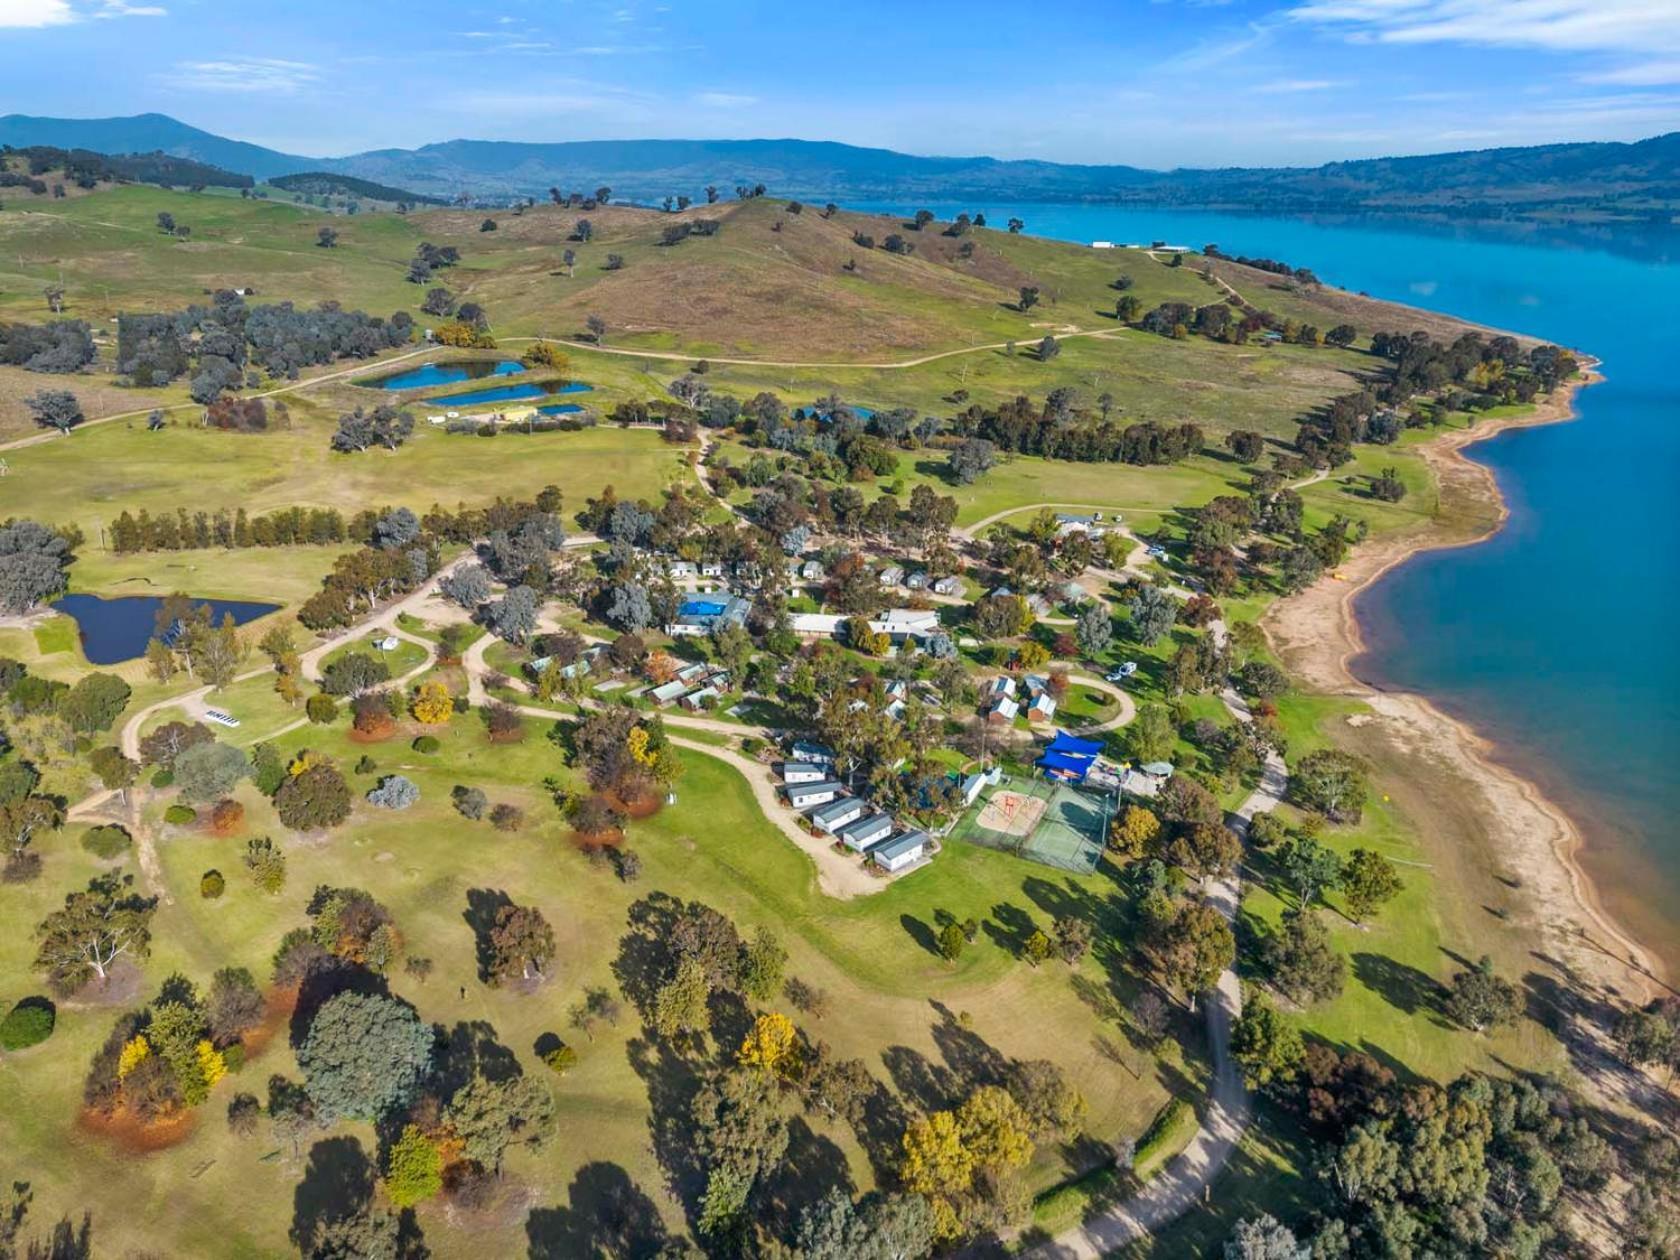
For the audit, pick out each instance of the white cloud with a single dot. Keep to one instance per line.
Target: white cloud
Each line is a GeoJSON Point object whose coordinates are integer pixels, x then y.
{"type": "Point", "coordinates": [35, 13]}
{"type": "Point", "coordinates": [725, 100]}
{"type": "Point", "coordinates": [244, 74]}
{"type": "Point", "coordinates": [1300, 85]}
{"type": "Point", "coordinates": [1657, 73]}
{"type": "Point", "coordinates": [1626, 26]}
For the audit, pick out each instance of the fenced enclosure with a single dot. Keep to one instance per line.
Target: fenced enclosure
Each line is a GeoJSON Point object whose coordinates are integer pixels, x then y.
{"type": "Point", "coordinates": [1056, 824]}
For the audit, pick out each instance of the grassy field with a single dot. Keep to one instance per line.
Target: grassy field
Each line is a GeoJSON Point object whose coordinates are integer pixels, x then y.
{"type": "Point", "coordinates": [891, 999]}
{"type": "Point", "coordinates": [89, 477]}
{"type": "Point", "coordinates": [768, 286]}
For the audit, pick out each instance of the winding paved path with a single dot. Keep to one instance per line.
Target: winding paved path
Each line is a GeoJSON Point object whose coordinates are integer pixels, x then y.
{"type": "Point", "coordinates": [1228, 1108]}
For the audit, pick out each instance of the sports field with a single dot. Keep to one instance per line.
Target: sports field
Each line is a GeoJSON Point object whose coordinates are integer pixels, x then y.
{"type": "Point", "coordinates": [1044, 821]}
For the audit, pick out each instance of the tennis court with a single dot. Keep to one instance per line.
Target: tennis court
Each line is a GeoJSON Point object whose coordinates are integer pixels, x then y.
{"type": "Point", "coordinates": [1044, 821]}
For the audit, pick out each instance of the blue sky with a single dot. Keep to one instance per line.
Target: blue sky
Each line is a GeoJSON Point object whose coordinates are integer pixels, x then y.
{"type": "Point", "coordinates": [1162, 83]}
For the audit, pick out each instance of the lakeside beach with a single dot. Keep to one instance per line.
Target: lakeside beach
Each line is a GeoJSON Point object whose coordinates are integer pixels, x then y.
{"type": "Point", "coordinates": [1458, 789]}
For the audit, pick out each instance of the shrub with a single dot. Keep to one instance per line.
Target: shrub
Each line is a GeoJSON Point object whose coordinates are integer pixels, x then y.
{"type": "Point", "coordinates": [227, 817]}
{"type": "Point", "coordinates": [470, 802]}
{"type": "Point", "coordinates": [180, 815]}
{"type": "Point", "coordinates": [211, 885]}
{"type": "Point", "coordinates": [561, 1059]}
{"type": "Point", "coordinates": [366, 764]}
{"type": "Point", "coordinates": [507, 817]}
{"type": "Point", "coordinates": [394, 792]}
{"type": "Point", "coordinates": [106, 843]}
{"type": "Point", "coordinates": [163, 778]}
{"type": "Point", "coordinates": [320, 708]}
{"type": "Point", "coordinates": [427, 744]}
{"type": "Point", "coordinates": [267, 865]}
{"type": "Point", "coordinates": [29, 1023]}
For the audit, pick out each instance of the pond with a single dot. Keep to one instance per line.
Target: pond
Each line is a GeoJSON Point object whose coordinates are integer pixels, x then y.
{"type": "Point", "coordinates": [115, 630]}
{"type": "Point", "coordinates": [559, 409]}
{"type": "Point", "coordinates": [450, 373]}
{"type": "Point", "coordinates": [507, 393]}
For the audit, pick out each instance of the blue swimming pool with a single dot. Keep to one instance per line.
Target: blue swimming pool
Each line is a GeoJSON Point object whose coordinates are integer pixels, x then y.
{"type": "Point", "coordinates": [521, 392]}
{"type": "Point", "coordinates": [451, 373]}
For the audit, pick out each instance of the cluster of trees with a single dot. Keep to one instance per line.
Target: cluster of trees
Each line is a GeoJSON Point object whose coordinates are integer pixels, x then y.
{"type": "Point", "coordinates": [228, 336]}
{"type": "Point", "coordinates": [677, 233]}
{"type": "Point", "coordinates": [1061, 430]}
{"type": "Point", "coordinates": [385, 426]}
{"type": "Point", "coordinates": [1472, 372]}
{"type": "Point", "coordinates": [1272, 265]}
{"type": "Point", "coordinates": [170, 1054]}
{"type": "Point", "coordinates": [34, 561]}
{"type": "Point", "coordinates": [87, 169]}
{"type": "Point", "coordinates": [1481, 1166]}
{"type": "Point", "coordinates": [429, 258]}
{"type": "Point", "coordinates": [60, 347]}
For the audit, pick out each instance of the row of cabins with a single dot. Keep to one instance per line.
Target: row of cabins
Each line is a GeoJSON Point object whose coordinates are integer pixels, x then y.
{"type": "Point", "coordinates": [895, 576]}
{"type": "Point", "coordinates": [1004, 700]}
{"type": "Point", "coordinates": [811, 789]}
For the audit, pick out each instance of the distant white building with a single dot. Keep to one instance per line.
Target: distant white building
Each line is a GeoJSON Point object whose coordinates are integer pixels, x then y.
{"type": "Point", "coordinates": [803, 772]}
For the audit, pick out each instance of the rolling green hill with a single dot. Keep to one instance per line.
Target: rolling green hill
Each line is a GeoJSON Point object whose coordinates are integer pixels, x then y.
{"type": "Point", "coordinates": [1585, 181]}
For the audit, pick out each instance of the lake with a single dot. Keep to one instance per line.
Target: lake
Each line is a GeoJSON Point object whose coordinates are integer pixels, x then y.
{"type": "Point", "coordinates": [1556, 637]}
{"type": "Point", "coordinates": [451, 373]}
{"type": "Point", "coordinates": [507, 393]}
{"type": "Point", "coordinates": [116, 630]}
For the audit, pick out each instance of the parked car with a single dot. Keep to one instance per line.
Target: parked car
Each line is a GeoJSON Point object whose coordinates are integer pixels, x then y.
{"type": "Point", "coordinates": [1121, 672]}
{"type": "Point", "coordinates": [1158, 552]}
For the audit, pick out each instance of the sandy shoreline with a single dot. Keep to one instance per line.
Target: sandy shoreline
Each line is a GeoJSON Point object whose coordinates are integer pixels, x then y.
{"type": "Point", "coordinates": [1533, 841]}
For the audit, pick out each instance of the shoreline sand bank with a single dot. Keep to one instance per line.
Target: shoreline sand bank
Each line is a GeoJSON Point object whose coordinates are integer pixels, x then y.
{"type": "Point", "coordinates": [1532, 843]}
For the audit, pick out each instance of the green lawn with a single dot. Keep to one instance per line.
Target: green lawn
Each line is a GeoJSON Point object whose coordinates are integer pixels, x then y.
{"type": "Point", "coordinates": [891, 999]}
{"type": "Point", "coordinates": [95, 474]}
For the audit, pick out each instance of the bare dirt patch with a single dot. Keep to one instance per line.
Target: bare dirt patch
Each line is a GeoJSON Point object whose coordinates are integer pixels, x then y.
{"type": "Point", "coordinates": [136, 1136]}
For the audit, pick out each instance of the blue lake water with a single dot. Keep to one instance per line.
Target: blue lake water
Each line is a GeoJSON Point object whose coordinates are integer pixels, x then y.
{"type": "Point", "coordinates": [1556, 637]}
{"type": "Point", "coordinates": [450, 373]}
{"type": "Point", "coordinates": [114, 630]}
{"type": "Point", "coordinates": [559, 409]}
{"type": "Point", "coordinates": [507, 393]}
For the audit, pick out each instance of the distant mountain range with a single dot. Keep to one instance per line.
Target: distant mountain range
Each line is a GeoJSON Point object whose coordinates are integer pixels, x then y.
{"type": "Point", "coordinates": [1584, 182]}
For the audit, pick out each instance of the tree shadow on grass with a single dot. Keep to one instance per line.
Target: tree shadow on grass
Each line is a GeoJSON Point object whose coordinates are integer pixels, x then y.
{"type": "Point", "coordinates": [337, 1182]}
{"type": "Point", "coordinates": [471, 1048]}
{"type": "Point", "coordinates": [812, 1166]}
{"type": "Point", "coordinates": [1401, 985]}
{"type": "Point", "coordinates": [972, 1060]}
{"type": "Point", "coordinates": [1010, 927]}
{"type": "Point", "coordinates": [921, 1082]}
{"type": "Point", "coordinates": [608, 1214]}
{"type": "Point", "coordinates": [921, 933]}
{"type": "Point", "coordinates": [483, 904]}
{"type": "Point", "coordinates": [672, 1082]}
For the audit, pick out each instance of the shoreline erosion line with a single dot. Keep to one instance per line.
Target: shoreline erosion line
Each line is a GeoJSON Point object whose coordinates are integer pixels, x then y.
{"type": "Point", "coordinates": [1319, 638]}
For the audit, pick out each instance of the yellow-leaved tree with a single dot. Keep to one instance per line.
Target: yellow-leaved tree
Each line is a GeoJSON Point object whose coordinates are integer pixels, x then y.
{"type": "Point", "coordinates": [135, 1051]}
{"type": "Point", "coordinates": [772, 1046]}
{"type": "Point", "coordinates": [432, 703]}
